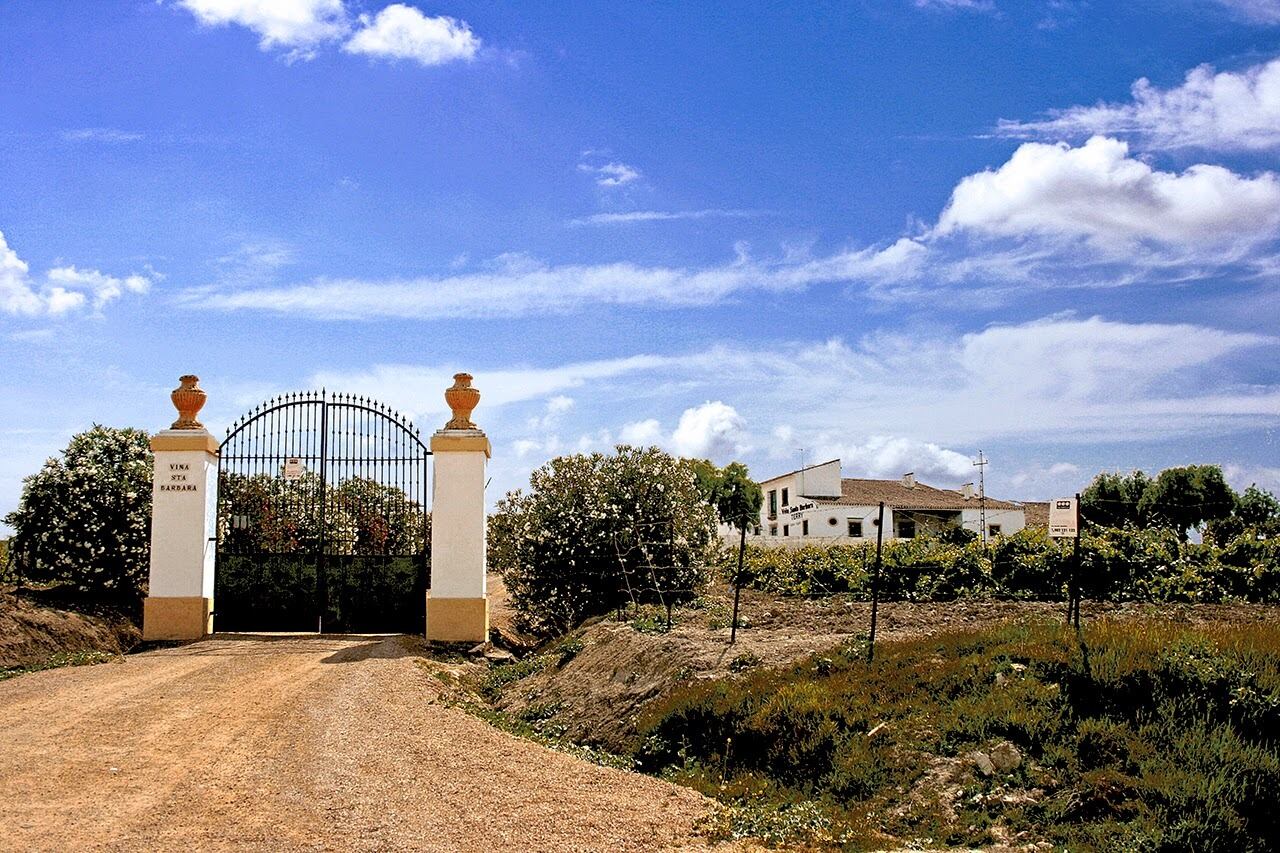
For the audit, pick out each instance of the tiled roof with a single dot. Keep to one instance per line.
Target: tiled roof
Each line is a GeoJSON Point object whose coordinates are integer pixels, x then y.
{"type": "Point", "coordinates": [856, 492]}
{"type": "Point", "coordinates": [1037, 513]}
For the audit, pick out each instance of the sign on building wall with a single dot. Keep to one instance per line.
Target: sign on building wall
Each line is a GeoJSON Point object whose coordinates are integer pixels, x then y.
{"type": "Point", "coordinates": [1064, 518]}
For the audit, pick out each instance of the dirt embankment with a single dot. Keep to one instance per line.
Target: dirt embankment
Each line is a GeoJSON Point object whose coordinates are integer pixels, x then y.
{"type": "Point", "coordinates": [594, 695]}
{"type": "Point", "coordinates": [32, 632]}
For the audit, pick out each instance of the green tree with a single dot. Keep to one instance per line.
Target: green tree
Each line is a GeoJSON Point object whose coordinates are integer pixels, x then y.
{"type": "Point", "coordinates": [1113, 500]}
{"type": "Point", "coordinates": [595, 532]}
{"type": "Point", "coordinates": [737, 500]}
{"type": "Point", "coordinates": [1187, 497]}
{"type": "Point", "coordinates": [85, 518]}
{"type": "Point", "coordinates": [1258, 509]}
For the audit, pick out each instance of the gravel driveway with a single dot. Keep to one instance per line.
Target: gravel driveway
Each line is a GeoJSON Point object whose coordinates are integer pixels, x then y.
{"type": "Point", "coordinates": [313, 743]}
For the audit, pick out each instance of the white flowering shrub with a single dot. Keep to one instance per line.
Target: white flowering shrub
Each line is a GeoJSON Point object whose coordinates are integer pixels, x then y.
{"type": "Point", "coordinates": [85, 518]}
{"type": "Point", "coordinates": [597, 532]}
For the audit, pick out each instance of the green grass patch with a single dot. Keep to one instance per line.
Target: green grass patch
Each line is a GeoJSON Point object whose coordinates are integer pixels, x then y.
{"type": "Point", "coordinates": [1150, 734]}
{"type": "Point", "coordinates": [59, 660]}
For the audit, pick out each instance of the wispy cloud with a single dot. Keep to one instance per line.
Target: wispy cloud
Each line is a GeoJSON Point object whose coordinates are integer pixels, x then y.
{"type": "Point", "coordinates": [1062, 377]}
{"type": "Point", "coordinates": [1257, 11]}
{"type": "Point", "coordinates": [100, 134]}
{"type": "Point", "coordinates": [612, 173]}
{"type": "Point", "coordinates": [633, 216]}
{"type": "Point", "coordinates": [956, 5]}
{"type": "Point", "coordinates": [520, 286]}
{"type": "Point", "coordinates": [1227, 111]}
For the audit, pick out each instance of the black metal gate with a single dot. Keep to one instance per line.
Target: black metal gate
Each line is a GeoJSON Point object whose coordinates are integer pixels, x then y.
{"type": "Point", "coordinates": [323, 522]}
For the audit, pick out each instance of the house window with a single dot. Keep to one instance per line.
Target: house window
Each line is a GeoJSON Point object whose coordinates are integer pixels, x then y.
{"type": "Point", "coordinates": [786, 501]}
{"type": "Point", "coordinates": [786, 530]}
{"type": "Point", "coordinates": [993, 530]}
{"type": "Point", "coordinates": [756, 531]}
{"type": "Point", "coordinates": [804, 527]}
{"type": "Point", "coordinates": [833, 521]}
{"type": "Point", "coordinates": [906, 529]}
{"type": "Point", "coordinates": [773, 503]}
{"type": "Point", "coordinates": [773, 530]}
{"type": "Point", "coordinates": [855, 528]}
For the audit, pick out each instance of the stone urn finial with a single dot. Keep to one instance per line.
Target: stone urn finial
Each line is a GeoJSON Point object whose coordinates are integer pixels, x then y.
{"type": "Point", "coordinates": [188, 399]}
{"type": "Point", "coordinates": [462, 398]}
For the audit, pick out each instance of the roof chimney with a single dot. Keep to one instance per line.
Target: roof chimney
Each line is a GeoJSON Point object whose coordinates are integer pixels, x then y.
{"type": "Point", "coordinates": [909, 480]}
{"type": "Point", "coordinates": [967, 491]}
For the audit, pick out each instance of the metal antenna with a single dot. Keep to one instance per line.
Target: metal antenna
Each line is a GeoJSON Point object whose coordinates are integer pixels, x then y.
{"type": "Point", "coordinates": [981, 465]}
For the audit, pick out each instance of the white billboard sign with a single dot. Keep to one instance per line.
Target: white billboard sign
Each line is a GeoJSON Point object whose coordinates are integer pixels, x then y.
{"type": "Point", "coordinates": [293, 468]}
{"type": "Point", "coordinates": [1064, 518]}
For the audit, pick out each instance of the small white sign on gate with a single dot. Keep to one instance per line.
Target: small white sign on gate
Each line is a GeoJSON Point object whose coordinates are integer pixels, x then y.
{"type": "Point", "coordinates": [1064, 518]}
{"type": "Point", "coordinates": [293, 468]}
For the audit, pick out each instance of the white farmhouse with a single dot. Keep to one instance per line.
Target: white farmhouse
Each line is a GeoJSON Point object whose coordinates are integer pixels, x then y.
{"type": "Point", "coordinates": [815, 505]}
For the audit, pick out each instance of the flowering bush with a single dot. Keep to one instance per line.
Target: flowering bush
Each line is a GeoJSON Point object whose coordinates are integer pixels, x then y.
{"type": "Point", "coordinates": [595, 532]}
{"type": "Point", "coordinates": [85, 518]}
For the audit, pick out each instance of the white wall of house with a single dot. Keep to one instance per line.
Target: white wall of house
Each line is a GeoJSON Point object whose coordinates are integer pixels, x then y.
{"type": "Point", "coordinates": [798, 497]}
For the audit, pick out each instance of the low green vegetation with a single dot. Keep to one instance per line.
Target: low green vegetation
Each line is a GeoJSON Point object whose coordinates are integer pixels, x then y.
{"type": "Point", "coordinates": [1137, 735]}
{"type": "Point", "coordinates": [1116, 564]}
{"type": "Point", "coordinates": [88, 658]}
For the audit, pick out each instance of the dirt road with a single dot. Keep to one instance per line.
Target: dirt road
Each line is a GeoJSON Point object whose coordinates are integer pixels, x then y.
{"type": "Point", "coordinates": [317, 743]}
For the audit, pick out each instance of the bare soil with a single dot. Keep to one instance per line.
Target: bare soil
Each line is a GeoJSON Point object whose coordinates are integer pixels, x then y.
{"type": "Point", "coordinates": [31, 631]}
{"type": "Point", "coordinates": [599, 694]}
{"type": "Point", "coordinates": [299, 743]}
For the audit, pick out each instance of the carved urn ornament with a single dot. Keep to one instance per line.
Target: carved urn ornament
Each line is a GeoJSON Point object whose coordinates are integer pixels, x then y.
{"type": "Point", "coordinates": [188, 399]}
{"type": "Point", "coordinates": [462, 398]}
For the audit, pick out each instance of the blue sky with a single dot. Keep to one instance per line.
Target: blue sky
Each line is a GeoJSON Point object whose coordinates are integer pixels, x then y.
{"type": "Point", "coordinates": [896, 232]}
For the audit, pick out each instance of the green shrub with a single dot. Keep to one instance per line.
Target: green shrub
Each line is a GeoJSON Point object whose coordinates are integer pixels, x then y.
{"type": "Point", "coordinates": [1153, 732]}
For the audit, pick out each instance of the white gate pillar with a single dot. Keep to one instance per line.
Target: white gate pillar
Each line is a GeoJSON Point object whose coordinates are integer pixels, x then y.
{"type": "Point", "coordinates": [458, 601]}
{"type": "Point", "coordinates": [184, 518]}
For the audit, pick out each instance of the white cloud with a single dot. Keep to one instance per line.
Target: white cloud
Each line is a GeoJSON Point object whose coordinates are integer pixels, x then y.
{"type": "Point", "coordinates": [1229, 111]}
{"type": "Point", "coordinates": [1041, 481]}
{"type": "Point", "coordinates": [65, 289]}
{"type": "Point", "coordinates": [402, 32]}
{"type": "Point", "coordinates": [1242, 477]}
{"type": "Point", "coordinates": [298, 24]}
{"type": "Point", "coordinates": [555, 410]}
{"type": "Point", "coordinates": [713, 430]}
{"type": "Point", "coordinates": [646, 433]}
{"type": "Point", "coordinates": [104, 288]}
{"type": "Point", "coordinates": [892, 456]}
{"type": "Point", "coordinates": [664, 216]}
{"type": "Point", "coordinates": [609, 174]}
{"type": "Point", "coordinates": [519, 286]}
{"type": "Point", "coordinates": [302, 27]}
{"type": "Point", "coordinates": [1099, 193]}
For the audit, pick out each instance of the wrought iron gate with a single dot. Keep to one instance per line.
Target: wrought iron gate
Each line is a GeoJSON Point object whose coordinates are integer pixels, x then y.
{"type": "Point", "coordinates": [323, 522]}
